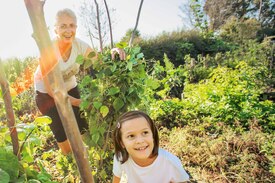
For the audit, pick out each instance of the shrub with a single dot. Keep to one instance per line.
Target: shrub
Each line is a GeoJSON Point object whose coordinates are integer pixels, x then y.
{"type": "Point", "coordinates": [169, 78]}
{"type": "Point", "coordinates": [177, 45]}
{"type": "Point", "coordinates": [222, 155]}
{"type": "Point", "coordinates": [238, 31]}
{"type": "Point", "coordinates": [230, 96]}
{"type": "Point", "coordinates": [119, 86]}
{"type": "Point", "coordinates": [168, 113]}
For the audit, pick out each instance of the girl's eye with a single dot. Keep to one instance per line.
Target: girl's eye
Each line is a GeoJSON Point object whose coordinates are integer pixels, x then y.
{"type": "Point", "coordinates": [130, 136]}
{"type": "Point", "coordinates": [145, 132]}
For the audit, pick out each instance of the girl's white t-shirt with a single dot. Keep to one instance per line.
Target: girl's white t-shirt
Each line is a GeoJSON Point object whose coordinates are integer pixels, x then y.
{"type": "Point", "coordinates": [68, 69]}
{"type": "Point", "coordinates": [165, 169]}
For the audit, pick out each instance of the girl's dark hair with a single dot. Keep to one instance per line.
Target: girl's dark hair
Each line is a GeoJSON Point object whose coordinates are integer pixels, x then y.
{"type": "Point", "coordinates": [120, 152]}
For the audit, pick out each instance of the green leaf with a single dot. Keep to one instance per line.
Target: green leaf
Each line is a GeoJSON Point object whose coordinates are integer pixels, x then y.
{"type": "Point", "coordinates": [29, 127]}
{"type": "Point", "coordinates": [97, 105]}
{"type": "Point", "coordinates": [27, 156]}
{"type": "Point", "coordinates": [88, 63]}
{"type": "Point", "coordinates": [44, 177]}
{"type": "Point", "coordinates": [102, 130]}
{"type": "Point", "coordinates": [92, 54]}
{"type": "Point", "coordinates": [95, 94]}
{"type": "Point", "coordinates": [113, 68]}
{"type": "Point", "coordinates": [130, 66]}
{"type": "Point", "coordinates": [136, 50]}
{"type": "Point", "coordinates": [140, 55]}
{"type": "Point", "coordinates": [85, 104]}
{"type": "Point", "coordinates": [96, 137]}
{"type": "Point", "coordinates": [43, 120]}
{"type": "Point", "coordinates": [4, 176]}
{"type": "Point", "coordinates": [131, 89]}
{"type": "Point", "coordinates": [118, 104]}
{"type": "Point", "coordinates": [9, 163]}
{"type": "Point", "coordinates": [86, 81]}
{"type": "Point", "coordinates": [34, 140]}
{"type": "Point", "coordinates": [168, 64]}
{"type": "Point", "coordinates": [80, 59]}
{"type": "Point", "coordinates": [104, 110]}
{"type": "Point", "coordinates": [113, 91]}
{"type": "Point", "coordinates": [121, 45]}
{"type": "Point", "coordinates": [21, 133]}
{"type": "Point", "coordinates": [152, 83]}
{"type": "Point", "coordinates": [29, 172]}
{"type": "Point", "coordinates": [132, 99]}
{"type": "Point", "coordinates": [3, 129]}
{"type": "Point", "coordinates": [21, 179]}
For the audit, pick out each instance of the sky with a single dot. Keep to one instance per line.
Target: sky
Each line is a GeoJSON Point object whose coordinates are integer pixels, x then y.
{"type": "Point", "coordinates": [16, 29]}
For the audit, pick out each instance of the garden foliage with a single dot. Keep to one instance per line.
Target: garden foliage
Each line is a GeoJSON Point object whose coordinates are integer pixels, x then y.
{"type": "Point", "coordinates": [117, 86]}
{"type": "Point", "coordinates": [204, 95]}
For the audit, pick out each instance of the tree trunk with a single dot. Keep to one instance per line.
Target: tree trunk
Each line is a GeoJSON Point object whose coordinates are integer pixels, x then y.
{"type": "Point", "coordinates": [110, 24]}
{"type": "Point", "coordinates": [133, 33]}
{"type": "Point", "coordinates": [99, 26]}
{"type": "Point", "coordinates": [9, 112]}
{"type": "Point", "coordinates": [260, 10]}
{"type": "Point", "coordinates": [52, 72]}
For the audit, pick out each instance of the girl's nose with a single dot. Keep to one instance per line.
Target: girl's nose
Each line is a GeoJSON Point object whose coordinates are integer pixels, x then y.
{"type": "Point", "coordinates": [139, 139]}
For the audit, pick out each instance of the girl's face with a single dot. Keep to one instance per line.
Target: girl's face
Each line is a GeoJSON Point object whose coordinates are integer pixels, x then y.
{"type": "Point", "coordinates": [137, 138]}
{"type": "Point", "coordinates": [66, 29]}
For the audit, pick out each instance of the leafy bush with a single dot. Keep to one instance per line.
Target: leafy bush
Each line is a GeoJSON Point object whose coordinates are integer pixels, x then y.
{"type": "Point", "coordinates": [213, 98]}
{"type": "Point", "coordinates": [9, 164]}
{"type": "Point", "coordinates": [169, 80]}
{"type": "Point", "coordinates": [168, 113]}
{"type": "Point", "coordinates": [197, 71]}
{"type": "Point", "coordinates": [29, 168]}
{"type": "Point", "coordinates": [118, 87]}
{"type": "Point", "coordinates": [240, 30]}
{"type": "Point", "coordinates": [177, 45]}
{"type": "Point", "coordinates": [222, 155]}
{"type": "Point", "coordinates": [230, 96]}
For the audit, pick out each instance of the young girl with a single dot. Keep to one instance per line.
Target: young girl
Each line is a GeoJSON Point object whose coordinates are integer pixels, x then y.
{"type": "Point", "coordinates": [138, 157]}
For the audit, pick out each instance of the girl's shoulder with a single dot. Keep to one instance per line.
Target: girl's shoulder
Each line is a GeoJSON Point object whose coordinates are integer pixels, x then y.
{"type": "Point", "coordinates": [171, 158]}
{"type": "Point", "coordinates": [166, 154]}
{"type": "Point", "coordinates": [173, 162]}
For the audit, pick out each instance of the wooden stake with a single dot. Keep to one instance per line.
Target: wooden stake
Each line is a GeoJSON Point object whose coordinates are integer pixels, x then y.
{"type": "Point", "coordinates": [9, 112]}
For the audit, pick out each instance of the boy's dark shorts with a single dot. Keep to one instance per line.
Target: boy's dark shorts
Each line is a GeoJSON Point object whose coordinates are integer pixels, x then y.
{"type": "Point", "coordinates": [47, 107]}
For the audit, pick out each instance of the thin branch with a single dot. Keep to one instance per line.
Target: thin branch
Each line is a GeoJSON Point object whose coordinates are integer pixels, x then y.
{"type": "Point", "coordinates": [99, 26]}
{"type": "Point", "coordinates": [110, 24]}
{"type": "Point", "coordinates": [133, 33]}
